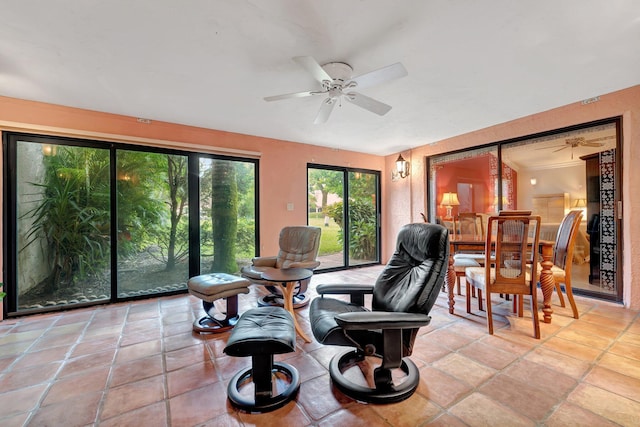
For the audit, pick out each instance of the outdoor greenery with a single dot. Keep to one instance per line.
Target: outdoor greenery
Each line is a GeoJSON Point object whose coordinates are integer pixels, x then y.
{"type": "Point", "coordinates": [70, 213]}
{"type": "Point", "coordinates": [362, 211]}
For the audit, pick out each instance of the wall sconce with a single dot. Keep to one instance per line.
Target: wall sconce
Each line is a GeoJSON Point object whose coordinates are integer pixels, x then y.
{"type": "Point", "coordinates": [402, 167]}
{"type": "Point", "coordinates": [449, 200]}
{"type": "Point", "coordinates": [534, 181]}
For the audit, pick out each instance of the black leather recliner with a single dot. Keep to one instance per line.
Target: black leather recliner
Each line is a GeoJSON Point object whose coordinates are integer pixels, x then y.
{"type": "Point", "coordinates": [402, 297]}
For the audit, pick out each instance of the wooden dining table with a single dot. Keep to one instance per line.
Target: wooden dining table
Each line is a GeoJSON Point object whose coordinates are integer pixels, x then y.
{"type": "Point", "coordinates": [460, 243]}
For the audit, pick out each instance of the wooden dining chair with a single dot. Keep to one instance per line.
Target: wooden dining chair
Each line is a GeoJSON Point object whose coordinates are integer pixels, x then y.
{"type": "Point", "coordinates": [468, 224]}
{"type": "Point", "coordinates": [563, 257]}
{"type": "Point", "coordinates": [508, 260]}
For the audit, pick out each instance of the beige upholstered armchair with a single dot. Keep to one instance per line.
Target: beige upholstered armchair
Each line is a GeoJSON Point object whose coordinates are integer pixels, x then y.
{"type": "Point", "coordinates": [298, 249]}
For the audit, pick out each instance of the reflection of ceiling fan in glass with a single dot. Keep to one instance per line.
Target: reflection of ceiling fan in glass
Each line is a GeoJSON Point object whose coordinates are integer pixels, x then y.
{"type": "Point", "coordinates": [580, 141]}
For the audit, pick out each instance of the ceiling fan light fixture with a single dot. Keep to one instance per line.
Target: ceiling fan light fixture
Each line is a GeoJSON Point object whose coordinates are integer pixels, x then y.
{"type": "Point", "coordinates": [336, 77]}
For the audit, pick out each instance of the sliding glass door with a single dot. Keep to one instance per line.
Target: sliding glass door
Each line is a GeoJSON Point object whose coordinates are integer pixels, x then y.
{"type": "Point", "coordinates": [89, 222]}
{"type": "Point", "coordinates": [62, 224]}
{"type": "Point", "coordinates": [551, 174]}
{"type": "Point", "coordinates": [345, 203]}
{"type": "Point", "coordinates": [152, 210]}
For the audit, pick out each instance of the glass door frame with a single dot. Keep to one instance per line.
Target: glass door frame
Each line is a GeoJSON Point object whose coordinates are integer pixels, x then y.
{"type": "Point", "coordinates": [499, 145]}
{"type": "Point", "coordinates": [346, 240]}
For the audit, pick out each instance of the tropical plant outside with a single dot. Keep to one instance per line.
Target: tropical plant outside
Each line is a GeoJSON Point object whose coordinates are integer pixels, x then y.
{"type": "Point", "coordinates": [67, 220]}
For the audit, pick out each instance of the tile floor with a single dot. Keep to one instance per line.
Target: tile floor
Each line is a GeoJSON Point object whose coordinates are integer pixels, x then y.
{"type": "Point", "coordinates": [139, 364]}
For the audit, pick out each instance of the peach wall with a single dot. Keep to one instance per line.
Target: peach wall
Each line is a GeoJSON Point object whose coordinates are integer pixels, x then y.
{"type": "Point", "coordinates": [282, 164]}
{"type": "Point", "coordinates": [409, 195]}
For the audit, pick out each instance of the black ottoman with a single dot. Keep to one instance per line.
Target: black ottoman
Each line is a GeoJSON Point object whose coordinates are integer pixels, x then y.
{"type": "Point", "coordinates": [261, 333]}
{"type": "Point", "coordinates": [212, 287]}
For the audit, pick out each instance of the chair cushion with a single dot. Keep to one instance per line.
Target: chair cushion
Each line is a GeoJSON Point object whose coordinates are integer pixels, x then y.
{"type": "Point", "coordinates": [476, 275]}
{"type": "Point", "coordinates": [211, 287]}
{"type": "Point", "coordinates": [461, 264]}
{"type": "Point", "coordinates": [264, 330]}
{"type": "Point", "coordinates": [324, 326]}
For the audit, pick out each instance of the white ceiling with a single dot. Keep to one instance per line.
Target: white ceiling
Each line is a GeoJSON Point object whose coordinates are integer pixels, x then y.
{"type": "Point", "coordinates": [209, 63]}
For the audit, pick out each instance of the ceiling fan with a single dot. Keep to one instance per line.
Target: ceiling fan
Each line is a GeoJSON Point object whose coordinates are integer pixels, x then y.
{"type": "Point", "coordinates": [579, 141]}
{"type": "Point", "coordinates": [336, 82]}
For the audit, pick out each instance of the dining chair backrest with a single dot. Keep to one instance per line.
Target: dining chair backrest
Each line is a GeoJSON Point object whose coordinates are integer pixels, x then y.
{"type": "Point", "coordinates": [470, 223]}
{"type": "Point", "coordinates": [510, 251]}
{"type": "Point", "coordinates": [565, 240]}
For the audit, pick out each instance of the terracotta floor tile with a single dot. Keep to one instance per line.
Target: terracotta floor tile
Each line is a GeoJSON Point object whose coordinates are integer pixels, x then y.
{"type": "Point", "coordinates": [200, 405]}
{"type": "Point", "coordinates": [550, 381]}
{"type": "Point", "coordinates": [20, 401]}
{"type": "Point", "coordinates": [86, 362]}
{"type": "Point", "coordinates": [573, 349]}
{"type": "Point", "coordinates": [452, 341]}
{"type": "Point", "coordinates": [132, 396]}
{"type": "Point", "coordinates": [78, 411]}
{"type": "Point", "coordinates": [40, 357]}
{"type": "Point", "coordinates": [609, 405]}
{"type": "Point", "coordinates": [354, 416]}
{"type": "Point", "coordinates": [522, 397]}
{"type": "Point", "coordinates": [441, 388]}
{"type": "Point", "coordinates": [76, 385]}
{"type": "Point", "coordinates": [307, 366]}
{"type": "Point", "coordinates": [186, 356]}
{"type": "Point", "coordinates": [411, 412]}
{"type": "Point", "coordinates": [559, 362]}
{"type": "Point", "coordinates": [224, 420]}
{"type": "Point", "coordinates": [568, 414]}
{"type": "Point", "coordinates": [614, 382]}
{"type": "Point", "coordinates": [152, 415]}
{"type": "Point", "coordinates": [585, 338]}
{"type": "Point", "coordinates": [624, 365]}
{"type": "Point", "coordinates": [19, 420]}
{"type": "Point", "coordinates": [630, 338]}
{"type": "Point", "coordinates": [319, 399]}
{"type": "Point", "coordinates": [631, 351]}
{"type": "Point", "coordinates": [488, 355]}
{"type": "Point", "coordinates": [136, 370]}
{"type": "Point", "coordinates": [464, 369]}
{"type": "Point", "coordinates": [16, 379]}
{"type": "Point", "coordinates": [479, 410]}
{"type": "Point", "coordinates": [138, 351]}
{"type": "Point", "coordinates": [446, 420]}
{"type": "Point", "coordinates": [191, 377]}
{"type": "Point", "coordinates": [617, 322]}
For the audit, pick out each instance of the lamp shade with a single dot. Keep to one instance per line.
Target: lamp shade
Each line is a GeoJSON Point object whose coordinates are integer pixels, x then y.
{"type": "Point", "coordinates": [580, 203]}
{"type": "Point", "coordinates": [450, 199]}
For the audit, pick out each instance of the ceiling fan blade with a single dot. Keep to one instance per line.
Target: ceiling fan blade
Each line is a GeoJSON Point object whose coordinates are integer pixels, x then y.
{"type": "Point", "coordinates": [312, 66]}
{"type": "Point", "coordinates": [291, 95]}
{"type": "Point", "coordinates": [325, 111]}
{"type": "Point", "coordinates": [552, 146]}
{"type": "Point", "coordinates": [592, 144]}
{"type": "Point", "coordinates": [390, 72]}
{"type": "Point", "coordinates": [380, 108]}
{"type": "Point", "coordinates": [559, 149]}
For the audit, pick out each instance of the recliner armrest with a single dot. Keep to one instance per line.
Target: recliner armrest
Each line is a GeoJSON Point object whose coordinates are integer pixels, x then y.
{"type": "Point", "coordinates": [264, 261]}
{"type": "Point", "coordinates": [310, 265]}
{"type": "Point", "coordinates": [382, 320]}
{"type": "Point", "coordinates": [344, 289]}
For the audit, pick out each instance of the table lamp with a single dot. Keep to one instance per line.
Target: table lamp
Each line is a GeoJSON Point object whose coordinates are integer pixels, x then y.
{"type": "Point", "coordinates": [449, 200]}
